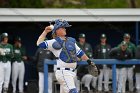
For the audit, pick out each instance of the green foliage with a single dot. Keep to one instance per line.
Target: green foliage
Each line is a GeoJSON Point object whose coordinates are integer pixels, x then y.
{"type": "Point", "coordinates": [67, 3]}
{"type": "Point", "coordinates": [23, 4]}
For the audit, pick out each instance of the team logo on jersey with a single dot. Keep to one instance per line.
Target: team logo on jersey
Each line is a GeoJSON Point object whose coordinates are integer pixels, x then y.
{"type": "Point", "coordinates": [7, 50]}
{"type": "Point", "coordinates": [126, 55]}
{"type": "Point", "coordinates": [17, 51]}
{"type": "Point", "coordinates": [86, 48]}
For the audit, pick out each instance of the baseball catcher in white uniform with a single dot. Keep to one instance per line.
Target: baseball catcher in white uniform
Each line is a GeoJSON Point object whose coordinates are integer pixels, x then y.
{"type": "Point", "coordinates": [67, 51]}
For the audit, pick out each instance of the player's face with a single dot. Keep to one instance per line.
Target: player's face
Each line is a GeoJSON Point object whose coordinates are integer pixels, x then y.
{"type": "Point", "coordinates": [103, 40]}
{"type": "Point", "coordinates": [127, 39]}
{"type": "Point", "coordinates": [61, 32]}
{"type": "Point", "coordinates": [17, 43]}
{"type": "Point", "coordinates": [82, 40]}
{"type": "Point", "coordinates": [123, 47]}
{"type": "Point", "coordinates": [5, 39]}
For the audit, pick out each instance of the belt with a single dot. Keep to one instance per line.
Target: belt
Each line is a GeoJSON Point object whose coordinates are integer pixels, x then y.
{"type": "Point", "coordinates": [66, 69]}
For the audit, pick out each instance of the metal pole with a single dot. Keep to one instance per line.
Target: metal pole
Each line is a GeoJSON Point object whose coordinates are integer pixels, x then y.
{"type": "Point", "coordinates": [137, 33]}
{"type": "Point", "coordinates": [45, 77]}
{"type": "Point", "coordinates": [114, 77]}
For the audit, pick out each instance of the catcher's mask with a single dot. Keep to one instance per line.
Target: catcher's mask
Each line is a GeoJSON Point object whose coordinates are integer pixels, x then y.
{"type": "Point", "coordinates": [59, 24]}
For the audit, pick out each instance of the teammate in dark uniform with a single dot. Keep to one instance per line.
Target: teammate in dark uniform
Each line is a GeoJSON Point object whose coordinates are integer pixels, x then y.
{"type": "Point", "coordinates": [130, 45]}
{"type": "Point", "coordinates": [82, 71]}
{"type": "Point", "coordinates": [6, 54]}
{"type": "Point", "coordinates": [121, 53]}
{"type": "Point", "coordinates": [130, 68]}
{"type": "Point", "coordinates": [18, 68]}
{"type": "Point", "coordinates": [102, 52]}
{"type": "Point", "coordinates": [86, 47]}
{"type": "Point", "coordinates": [40, 55]}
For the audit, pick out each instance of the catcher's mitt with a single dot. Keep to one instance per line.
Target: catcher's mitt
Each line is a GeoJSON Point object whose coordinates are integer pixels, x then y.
{"type": "Point", "coordinates": [93, 70]}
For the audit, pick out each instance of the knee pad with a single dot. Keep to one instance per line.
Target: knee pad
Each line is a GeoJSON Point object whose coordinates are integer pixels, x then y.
{"type": "Point", "coordinates": [74, 90]}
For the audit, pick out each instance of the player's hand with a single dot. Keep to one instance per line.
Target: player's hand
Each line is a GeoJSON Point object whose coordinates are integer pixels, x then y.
{"type": "Point", "coordinates": [48, 29]}
{"type": "Point", "coordinates": [24, 57]}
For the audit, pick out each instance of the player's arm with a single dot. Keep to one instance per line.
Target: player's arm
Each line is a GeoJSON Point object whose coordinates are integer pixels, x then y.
{"type": "Point", "coordinates": [82, 55]}
{"type": "Point", "coordinates": [92, 68]}
{"type": "Point", "coordinates": [43, 35]}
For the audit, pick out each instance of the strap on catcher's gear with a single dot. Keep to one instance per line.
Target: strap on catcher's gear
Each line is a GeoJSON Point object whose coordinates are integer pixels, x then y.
{"type": "Point", "coordinates": [93, 69]}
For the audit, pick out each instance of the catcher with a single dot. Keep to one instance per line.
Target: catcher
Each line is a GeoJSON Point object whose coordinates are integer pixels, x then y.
{"type": "Point", "coordinates": [67, 51]}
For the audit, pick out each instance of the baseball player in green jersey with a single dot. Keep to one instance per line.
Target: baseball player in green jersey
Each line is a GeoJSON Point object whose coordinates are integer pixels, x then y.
{"type": "Point", "coordinates": [85, 46]}
{"type": "Point", "coordinates": [6, 54]}
{"type": "Point", "coordinates": [121, 53]}
{"type": "Point", "coordinates": [18, 68]}
{"type": "Point", "coordinates": [129, 68]}
{"type": "Point", "coordinates": [130, 45]}
{"type": "Point", "coordinates": [102, 52]}
{"type": "Point", "coordinates": [82, 71]}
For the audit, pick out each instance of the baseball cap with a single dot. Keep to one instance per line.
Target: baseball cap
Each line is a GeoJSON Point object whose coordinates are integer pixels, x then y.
{"type": "Point", "coordinates": [126, 35]}
{"type": "Point", "coordinates": [4, 35]}
{"type": "Point", "coordinates": [123, 43]}
{"type": "Point", "coordinates": [59, 24]}
{"type": "Point", "coordinates": [17, 38]}
{"type": "Point", "coordinates": [103, 36]}
{"type": "Point", "coordinates": [82, 35]}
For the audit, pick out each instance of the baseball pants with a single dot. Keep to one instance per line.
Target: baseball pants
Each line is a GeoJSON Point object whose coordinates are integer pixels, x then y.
{"type": "Point", "coordinates": [5, 72]}
{"type": "Point", "coordinates": [18, 71]}
{"type": "Point", "coordinates": [77, 83]}
{"type": "Point", "coordinates": [89, 79]}
{"type": "Point", "coordinates": [66, 80]}
{"type": "Point", "coordinates": [122, 75]}
{"type": "Point", "coordinates": [121, 79]}
{"type": "Point", "coordinates": [41, 82]}
{"type": "Point", "coordinates": [104, 73]}
{"type": "Point", "coordinates": [138, 82]}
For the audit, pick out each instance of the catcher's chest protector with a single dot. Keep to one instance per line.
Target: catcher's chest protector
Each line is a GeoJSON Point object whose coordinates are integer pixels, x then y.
{"type": "Point", "coordinates": [68, 53]}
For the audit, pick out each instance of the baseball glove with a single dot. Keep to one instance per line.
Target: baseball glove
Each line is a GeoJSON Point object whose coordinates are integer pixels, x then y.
{"type": "Point", "coordinates": [93, 70]}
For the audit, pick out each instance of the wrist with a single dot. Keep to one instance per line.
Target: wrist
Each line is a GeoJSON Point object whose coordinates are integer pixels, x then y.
{"type": "Point", "coordinates": [89, 61]}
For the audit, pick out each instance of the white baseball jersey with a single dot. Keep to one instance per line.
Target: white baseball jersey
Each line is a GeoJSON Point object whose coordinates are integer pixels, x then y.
{"type": "Point", "coordinates": [60, 63]}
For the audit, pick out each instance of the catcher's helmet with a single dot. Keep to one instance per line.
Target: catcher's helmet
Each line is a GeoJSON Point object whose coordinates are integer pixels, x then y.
{"type": "Point", "coordinates": [58, 24]}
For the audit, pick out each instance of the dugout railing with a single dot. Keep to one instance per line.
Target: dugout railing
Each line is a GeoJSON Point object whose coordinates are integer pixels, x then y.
{"type": "Point", "coordinates": [112, 62]}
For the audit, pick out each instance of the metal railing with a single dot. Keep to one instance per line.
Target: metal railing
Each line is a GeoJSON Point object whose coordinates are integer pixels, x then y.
{"type": "Point", "coordinates": [112, 62]}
